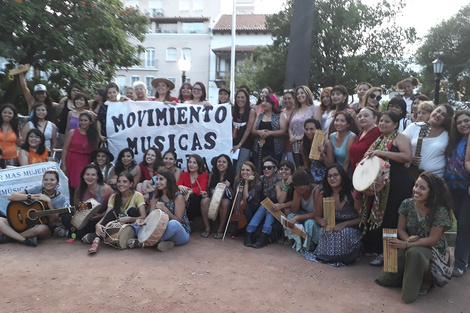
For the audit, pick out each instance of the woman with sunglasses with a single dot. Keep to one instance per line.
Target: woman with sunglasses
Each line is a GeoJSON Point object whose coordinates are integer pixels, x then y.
{"type": "Point", "coordinates": [372, 98]}
{"type": "Point", "coordinates": [198, 95]}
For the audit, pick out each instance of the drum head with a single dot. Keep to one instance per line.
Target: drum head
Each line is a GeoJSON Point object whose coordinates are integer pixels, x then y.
{"type": "Point", "coordinates": [366, 173]}
{"type": "Point", "coordinates": [126, 233]}
{"type": "Point", "coordinates": [95, 205]}
{"type": "Point", "coordinates": [151, 223]}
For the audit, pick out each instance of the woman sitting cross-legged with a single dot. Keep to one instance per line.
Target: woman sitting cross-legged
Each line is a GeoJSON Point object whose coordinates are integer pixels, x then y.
{"type": "Point", "coordinates": [421, 225]}
{"type": "Point", "coordinates": [341, 245]}
{"type": "Point", "coordinates": [169, 199]}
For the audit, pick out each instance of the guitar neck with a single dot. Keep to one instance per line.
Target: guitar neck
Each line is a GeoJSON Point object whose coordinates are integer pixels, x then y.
{"type": "Point", "coordinates": [419, 144]}
{"type": "Point", "coordinates": [55, 211]}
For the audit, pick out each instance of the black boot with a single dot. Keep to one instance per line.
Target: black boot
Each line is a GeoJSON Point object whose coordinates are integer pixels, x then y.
{"type": "Point", "coordinates": [262, 241]}
{"type": "Point", "coordinates": [31, 242]}
{"type": "Point", "coordinates": [248, 239]}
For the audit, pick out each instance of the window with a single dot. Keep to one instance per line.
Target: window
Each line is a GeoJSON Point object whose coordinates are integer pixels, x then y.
{"type": "Point", "coordinates": [198, 5]}
{"type": "Point", "coordinates": [184, 5]}
{"type": "Point", "coordinates": [156, 7]}
{"type": "Point", "coordinates": [150, 57]}
{"type": "Point", "coordinates": [121, 82]}
{"type": "Point", "coordinates": [186, 53]}
{"type": "Point", "coordinates": [192, 28]}
{"type": "Point", "coordinates": [134, 79]}
{"type": "Point", "coordinates": [172, 79]}
{"type": "Point", "coordinates": [171, 54]}
{"type": "Point", "coordinates": [148, 82]}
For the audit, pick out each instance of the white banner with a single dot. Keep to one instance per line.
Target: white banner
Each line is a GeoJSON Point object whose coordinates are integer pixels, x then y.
{"type": "Point", "coordinates": [22, 177]}
{"type": "Point", "coordinates": [185, 128]}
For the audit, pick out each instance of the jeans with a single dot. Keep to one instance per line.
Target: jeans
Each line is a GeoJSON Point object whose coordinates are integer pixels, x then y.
{"type": "Point", "coordinates": [261, 214]}
{"type": "Point", "coordinates": [243, 156]}
{"type": "Point", "coordinates": [461, 208]}
{"type": "Point", "coordinates": [176, 233]}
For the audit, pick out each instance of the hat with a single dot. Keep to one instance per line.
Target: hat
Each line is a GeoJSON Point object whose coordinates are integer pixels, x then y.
{"type": "Point", "coordinates": [40, 87]}
{"type": "Point", "coordinates": [163, 80]}
{"type": "Point", "coordinates": [224, 89]}
{"type": "Point", "coordinates": [94, 153]}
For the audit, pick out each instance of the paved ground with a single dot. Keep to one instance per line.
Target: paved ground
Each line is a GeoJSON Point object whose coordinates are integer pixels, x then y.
{"type": "Point", "coordinates": [205, 275]}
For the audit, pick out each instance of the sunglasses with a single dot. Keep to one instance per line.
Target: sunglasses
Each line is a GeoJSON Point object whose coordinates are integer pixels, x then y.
{"type": "Point", "coordinates": [373, 96]}
{"type": "Point", "coordinates": [268, 167]}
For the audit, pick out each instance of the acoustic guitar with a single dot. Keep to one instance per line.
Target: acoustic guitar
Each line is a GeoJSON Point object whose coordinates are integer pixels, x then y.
{"type": "Point", "coordinates": [423, 132]}
{"type": "Point", "coordinates": [22, 215]}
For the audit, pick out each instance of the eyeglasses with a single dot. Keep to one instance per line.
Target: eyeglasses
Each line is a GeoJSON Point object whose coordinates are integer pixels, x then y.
{"type": "Point", "coordinates": [197, 89]}
{"type": "Point", "coordinates": [335, 175]}
{"type": "Point", "coordinates": [268, 167]}
{"type": "Point", "coordinates": [373, 96]}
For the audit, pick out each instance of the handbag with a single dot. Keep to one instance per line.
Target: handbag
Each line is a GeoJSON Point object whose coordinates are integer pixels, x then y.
{"type": "Point", "coordinates": [441, 267]}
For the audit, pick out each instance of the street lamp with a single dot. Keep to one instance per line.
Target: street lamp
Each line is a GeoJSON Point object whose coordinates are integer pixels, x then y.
{"type": "Point", "coordinates": [437, 66]}
{"type": "Point", "coordinates": [184, 66]}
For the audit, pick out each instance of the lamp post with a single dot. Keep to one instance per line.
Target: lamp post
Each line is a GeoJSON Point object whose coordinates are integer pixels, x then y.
{"type": "Point", "coordinates": [437, 66]}
{"type": "Point", "coordinates": [184, 66]}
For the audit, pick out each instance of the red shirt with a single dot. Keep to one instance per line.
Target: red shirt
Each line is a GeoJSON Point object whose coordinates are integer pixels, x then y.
{"type": "Point", "coordinates": [359, 147]}
{"type": "Point", "coordinates": [202, 180]}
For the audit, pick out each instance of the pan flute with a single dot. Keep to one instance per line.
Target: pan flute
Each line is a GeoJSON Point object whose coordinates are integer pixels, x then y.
{"type": "Point", "coordinates": [318, 140]}
{"type": "Point", "coordinates": [329, 212]}
{"type": "Point", "coordinates": [390, 254]}
{"type": "Point", "coordinates": [268, 204]}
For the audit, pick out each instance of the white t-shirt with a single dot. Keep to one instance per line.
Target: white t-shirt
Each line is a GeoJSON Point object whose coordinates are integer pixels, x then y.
{"type": "Point", "coordinates": [432, 149]}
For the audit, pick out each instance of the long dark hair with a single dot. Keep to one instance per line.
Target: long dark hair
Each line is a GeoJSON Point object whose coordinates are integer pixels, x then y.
{"type": "Point", "coordinates": [102, 93]}
{"type": "Point", "coordinates": [171, 186]}
{"type": "Point", "coordinates": [346, 184]}
{"type": "Point", "coordinates": [180, 96]}
{"type": "Point", "coordinates": [69, 90]}
{"type": "Point", "coordinates": [306, 143]}
{"type": "Point", "coordinates": [439, 195]}
{"type": "Point", "coordinates": [14, 120]}
{"type": "Point", "coordinates": [204, 94]}
{"type": "Point", "coordinates": [34, 118]}
{"type": "Point", "coordinates": [158, 159]}
{"type": "Point", "coordinates": [455, 136]}
{"type": "Point", "coordinates": [341, 89]}
{"type": "Point", "coordinates": [118, 196]}
{"type": "Point", "coordinates": [119, 168]}
{"type": "Point", "coordinates": [229, 174]}
{"type": "Point", "coordinates": [83, 185]}
{"type": "Point", "coordinates": [81, 95]}
{"type": "Point", "coordinates": [236, 108]}
{"type": "Point", "coordinates": [41, 148]}
{"type": "Point", "coordinates": [92, 132]}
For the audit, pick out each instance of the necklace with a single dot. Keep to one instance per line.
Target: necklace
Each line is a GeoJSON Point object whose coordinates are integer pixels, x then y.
{"type": "Point", "coordinates": [50, 195]}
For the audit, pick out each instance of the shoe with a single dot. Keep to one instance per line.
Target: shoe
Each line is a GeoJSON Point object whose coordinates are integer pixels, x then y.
{"type": "Point", "coordinates": [31, 242]}
{"type": "Point", "coordinates": [457, 272]}
{"type": "Point", "coordinates": [378, 261]}
{"type": "Point", "coordinates": [94, 246]}
{"type": "Point", "coordinates": [248, 239]}
{"type": "Point", "coordinates": [61, 231]}
{"type": "Point", "coordinates": [88, 238]}
{"type": "Point", "coordinates": [218, 235]}
{"type": "Point", "coordinates": [5, 239]}
{"type": "Point", "coordinates": [133, 243]}
{"type": "Point", "coordinates": [237, 233]}
{"type": "Point", "coordinates": [205, 234]}
{"type": "Point", "coordinates": [261, 242]}
{"type": "Point", "coordinates": [165, 245]}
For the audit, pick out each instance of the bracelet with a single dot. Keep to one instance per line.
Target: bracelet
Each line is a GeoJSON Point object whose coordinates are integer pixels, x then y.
{"type": "Point", "coordinates": [143, 191]}
{"type": "Point", "coordinates": [407, 244]}
{"type": "Point", "coordinates": [29, 197]}
{"type": "Point", "coordinates": [286, 187]}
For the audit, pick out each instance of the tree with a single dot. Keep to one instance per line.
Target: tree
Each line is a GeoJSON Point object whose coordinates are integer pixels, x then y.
{"type": "Point", "coordinates": [74, 41]}
{"type": "Point", "coordinates": [352, 42]}
{"type": "Point", "coordinates": [450, 41]}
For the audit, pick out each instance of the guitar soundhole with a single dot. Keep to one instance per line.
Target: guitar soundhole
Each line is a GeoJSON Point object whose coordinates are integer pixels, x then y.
{"type": "Point", "coordinates": [32, 214]}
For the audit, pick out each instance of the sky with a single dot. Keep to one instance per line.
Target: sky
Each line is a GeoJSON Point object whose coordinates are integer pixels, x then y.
{"type": "Point", "coordinates": [420, 14]}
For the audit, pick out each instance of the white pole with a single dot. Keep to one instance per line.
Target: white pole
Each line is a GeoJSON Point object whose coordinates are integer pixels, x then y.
{"type": "Point", "coordinates": [232, 53]}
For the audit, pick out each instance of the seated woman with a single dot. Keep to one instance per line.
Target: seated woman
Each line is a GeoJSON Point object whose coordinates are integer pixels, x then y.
{"type": "Point", "coordinates": [222, 172]}
{"type": "Point", "coordinates": [149, 166]}
{"type": "Point", "coordinates": [285, 194]}
{"type": "Point", "coordinates": [50, 197]}
{"type": "Point", "coordinates": [303, 211]}
{"type": "Point", "coordinates": [268, 182]}
{"type": "Point", "coordinates": [125, 206]}
{"type": "Point", "coordinates": [421, 225]}
{"type": "Point", "coordinates": [342, 245]}
{"type": "Point", "coordinates": [33, 149]}
{"type": "Point", "coordinates": [169, 161]}
{"type": "Point", "coordinates": [125, 163]}
{"type": "Point", "coordinates": [103, 159]}
{"type": "Point", "coordinates": [92, 186]}
{"type": "Point", "coordinates": [192, 183]}
{"type": "Point", "coordinates": [169, 199]}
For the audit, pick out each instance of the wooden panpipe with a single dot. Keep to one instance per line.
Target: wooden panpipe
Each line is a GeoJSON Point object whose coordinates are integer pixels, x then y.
{"type": "Point", "coordinates": [390, 254]}
{"type": "Point", "coordinates": [268, 204]}
{"type": "Point", "coordinates": [329, 213]}
{"type": "Point", "coordinates": [318, 140]}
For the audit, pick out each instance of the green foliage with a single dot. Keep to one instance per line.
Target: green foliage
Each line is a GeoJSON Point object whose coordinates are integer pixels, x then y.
{"type": "Point", "coordinates": [82, 42]}
{"type": "Point", "coordinates": [351, 43]}
{"type": "Point", "coordinates": [450, 41]}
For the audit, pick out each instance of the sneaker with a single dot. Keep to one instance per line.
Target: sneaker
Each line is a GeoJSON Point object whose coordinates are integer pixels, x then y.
{"type": "Point", "coordinates": [94, 246]}
{"type": "Point", "coordinates": [5, 239]}
{"type": "Point", "coordinates": [31, 242]}
{"type": "Point", "coordinates": [457, 272]}
{"type": "Point", "coordinates": [88, 238]}
{"type": "Point", "coordinates": [261, 242]}
{"type": "Point", "coordinates": [378, 261]}
{"type": "Point", "coordinates": [61, 231]}
{"type": "Point", "coordinates": [165, 245]}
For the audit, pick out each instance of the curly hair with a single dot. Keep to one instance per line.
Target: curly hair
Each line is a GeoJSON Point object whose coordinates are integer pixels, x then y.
{"type": "Point", "coordinates": [439, 195]}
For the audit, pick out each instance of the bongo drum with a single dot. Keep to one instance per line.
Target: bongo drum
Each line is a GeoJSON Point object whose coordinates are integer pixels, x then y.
{"type": "Point", "coordinates": [117, 234]}
{"type": "Point", "coordinates": [81, 217]}
{"type": "Point", "coordinates": [371, 175]}
{"type": "Point", "coordinates": [216, 200]}
{"type": "Point", "coordinates": [153, 228]}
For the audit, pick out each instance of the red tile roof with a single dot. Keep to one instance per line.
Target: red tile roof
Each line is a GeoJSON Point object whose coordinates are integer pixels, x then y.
{"type": "Point", "coordinates": [251, 23]}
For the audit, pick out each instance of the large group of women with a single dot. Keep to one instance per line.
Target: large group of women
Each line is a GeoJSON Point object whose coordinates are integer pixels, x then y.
{"type": "Point", "coordinates": [424, 145]}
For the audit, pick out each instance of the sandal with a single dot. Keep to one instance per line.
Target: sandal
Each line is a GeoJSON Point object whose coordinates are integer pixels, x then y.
{"type": "Point", "coordinates": [205, 234]}
{"type": "Point", "coordinates": [132, 243]}
{"type": "Point", "coordinates": [218, 235]}
{"type": "Point", "coordinates": [94, 246]}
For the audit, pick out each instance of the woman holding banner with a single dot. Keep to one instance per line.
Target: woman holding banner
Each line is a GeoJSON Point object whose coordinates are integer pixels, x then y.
{"type": "Point", "coordinates": [199, 95]}
{"type": "Point", "coordinates": [163, 87]}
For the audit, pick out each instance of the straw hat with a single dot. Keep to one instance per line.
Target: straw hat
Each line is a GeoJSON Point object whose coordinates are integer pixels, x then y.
{"type": "Point", "coordinates": [168, 82]}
